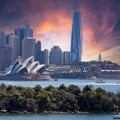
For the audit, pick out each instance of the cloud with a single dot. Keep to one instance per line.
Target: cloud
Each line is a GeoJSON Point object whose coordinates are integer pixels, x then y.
{"type": "Point", "coordinates": [51, 21]}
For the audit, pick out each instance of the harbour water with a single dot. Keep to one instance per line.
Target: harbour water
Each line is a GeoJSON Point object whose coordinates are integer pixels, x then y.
{"type": "Point", "coordinates": [109, 85]}
{"type": "Point", "coordinates": [56, 117]}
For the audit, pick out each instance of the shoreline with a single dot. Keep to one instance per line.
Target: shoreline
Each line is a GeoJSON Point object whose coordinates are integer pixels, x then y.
{"type": "Point", "coordinates": [63, 78]}
{"type": "Point", "coordinates": [52, 112]}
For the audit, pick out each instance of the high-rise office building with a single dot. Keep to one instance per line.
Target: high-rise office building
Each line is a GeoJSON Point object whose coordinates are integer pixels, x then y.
{"type": "Point", "coordinates": [28, 47]}
{"type": "Point", "coordinates": [7, 37]}
{"type": "Point", "coordinates": [45, 57]}
{"type": "Point", "coordinates": [76, 39]}
{"type": "Point", "coordinates": [56, 55]}
{"type": "Point", "coordinates": [13, 42]}
{"type": "Point", "coordinates": [20, 33]}
{"type": "Point", "coordinates": [5, 57]}
{"type": "Point", "coordinates": [23, 32]}
{"type": "Point", "coordinates": [2, 38]}
{"type": "Point", "coordinates": [38, 51]}
{"type": "Point", "coordinates": [66, 58]}
{"type": "Point", "coordinates": [28, 32]}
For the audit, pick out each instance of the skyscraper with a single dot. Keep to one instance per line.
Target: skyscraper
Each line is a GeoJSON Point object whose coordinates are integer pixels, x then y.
{"type": "Point", "coordinates": [13, 42]}
{"type": "Point", "coordinates": [45, 57]}
{"type": "Point", "coordinates": [5, 57]}
{"type": "Point", "coordinates": [76, 39]}
{"type": "Point", "coordinates": [56, 55]}
{"type": "Point", "coordinates": [38, 51]}
{"type": "Point", "coordinates": [23, 32]}
{"type": "Point", "coordinates": [28, 47]}
{"type": "Point", "coordinates": [2, 38]}
{"type": "Point", "coordinates": [7, 37]}
{"type": "Point", "coordinates": [5, 52]}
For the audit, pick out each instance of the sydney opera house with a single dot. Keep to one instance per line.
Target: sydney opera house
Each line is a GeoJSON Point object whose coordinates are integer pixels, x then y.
{"type": "Point", "coordinates": [26, 70]}
{"type": "Point", "coordinates": [27, 66]}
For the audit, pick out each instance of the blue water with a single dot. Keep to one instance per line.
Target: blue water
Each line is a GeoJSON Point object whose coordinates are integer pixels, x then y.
{"type": "Point", "coordinates": [109, 85]}
{"type": "Point", "coordinates": [56, 117]}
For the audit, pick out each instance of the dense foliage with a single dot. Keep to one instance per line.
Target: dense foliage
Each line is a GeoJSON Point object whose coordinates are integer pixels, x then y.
{"type": "Point", "coordinates": [61, 99]}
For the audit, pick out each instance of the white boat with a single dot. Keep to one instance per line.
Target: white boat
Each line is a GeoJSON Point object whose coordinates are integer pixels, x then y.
{"type": "Point", "coordinates": [99, 80]}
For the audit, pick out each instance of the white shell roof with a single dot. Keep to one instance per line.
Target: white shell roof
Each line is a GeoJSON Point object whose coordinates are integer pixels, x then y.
{"type": "Point", "coordinates": [33, 66]}
{"type": "Point", "coordinates": [38, 68]}
{"type": "Point", "coordinates": [28, 64]}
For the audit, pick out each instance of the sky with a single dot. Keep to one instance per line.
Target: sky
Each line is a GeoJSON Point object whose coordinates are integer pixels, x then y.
{"type": "Point", "coordinates": [51, 21]}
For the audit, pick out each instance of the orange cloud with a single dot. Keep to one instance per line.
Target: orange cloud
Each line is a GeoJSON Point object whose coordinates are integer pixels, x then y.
{"type": "Point", "coordinates": [88, 34]}
{"type": "Point", "coordinates": [58, 27]}
{"type": "Point", "coordinates": [58, 23]}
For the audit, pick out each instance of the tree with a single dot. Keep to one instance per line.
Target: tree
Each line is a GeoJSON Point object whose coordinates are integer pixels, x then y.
{"type": "Point", "coordinates": [50, 88]}
{"type": "Point", "coordinates": [74, 89]}
{"type": "Point", "coordinates": [3, 95]}
{"type": "Point", "coordinates": [87, 88]}
{"type": "Point", "coordinates": [62, 87]}
{"type": "Point", "coordinates": [37, 88]}
{"type": "Point", "coordinates": [28, 93]}
{"type": "Point", "coordinates": [14, 102]}
{"type": "Point", "coordinates": [70, 103]}
{"type": "Point", "coordinates": [43, 100]}
{"type": "Point", "coordinates": [100, 91]}
{"type": "Point", "coordinates": [3, 87]}
{"type": "Point", "coordinates": [31, 105]}
{"type": "Point", "coordinates": [10, 88]}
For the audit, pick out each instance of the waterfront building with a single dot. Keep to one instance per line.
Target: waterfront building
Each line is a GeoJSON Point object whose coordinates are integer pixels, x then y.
{"type": "Point", "coordinates": [38, 51]}
{"type": "Point", "coordinates": [66, 58]}
{"type": "Point", "coordinates": [5, 57]}
{"type": "Point", "coordinates": [76, 39]}
{"type": "Point", "coordinates": [23, 32]}
{"type": "Point", "coordinates": [28, 47]}
{"type": "Point", "coordinates": [56, 55]}
{"type": "Point", "coordinates": [13, 42]}
{"type": "Point", "coordinates": [2, 38]}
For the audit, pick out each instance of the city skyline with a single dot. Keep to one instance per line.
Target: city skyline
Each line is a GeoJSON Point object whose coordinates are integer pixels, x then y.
{"type": "Point", "coordinates": [51, 21]}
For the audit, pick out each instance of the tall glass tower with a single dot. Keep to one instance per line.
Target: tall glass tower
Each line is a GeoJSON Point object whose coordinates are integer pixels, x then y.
{"type": "Point", "coordinates": [76, 39]}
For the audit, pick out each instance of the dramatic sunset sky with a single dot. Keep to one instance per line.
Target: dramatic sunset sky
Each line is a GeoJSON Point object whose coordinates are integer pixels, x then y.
{"type": "Point", "coordinates": [51, 21]}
